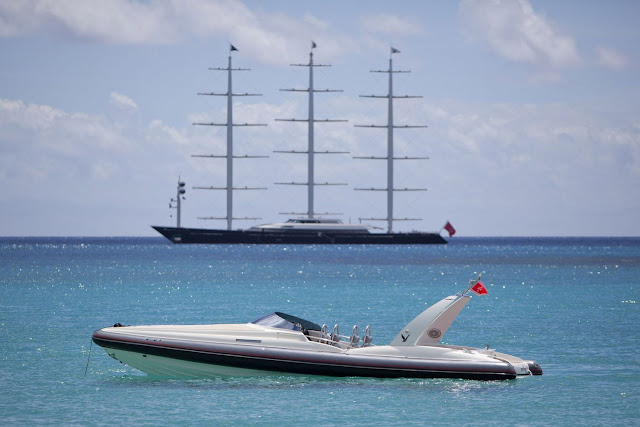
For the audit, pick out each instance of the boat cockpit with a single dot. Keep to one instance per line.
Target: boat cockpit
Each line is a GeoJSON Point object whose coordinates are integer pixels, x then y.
{"type": "Point", "coordinates": [316, 333]}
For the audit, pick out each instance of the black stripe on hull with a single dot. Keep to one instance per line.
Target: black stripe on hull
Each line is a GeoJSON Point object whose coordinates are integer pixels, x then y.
{"type": "Point", "coordinates": [299, 365]}
{"type": "Point", "coordinates": [202, 235]}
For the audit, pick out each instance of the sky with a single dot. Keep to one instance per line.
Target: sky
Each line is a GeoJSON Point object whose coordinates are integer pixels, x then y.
{"type": "Point", "coordinates": [532, 108]}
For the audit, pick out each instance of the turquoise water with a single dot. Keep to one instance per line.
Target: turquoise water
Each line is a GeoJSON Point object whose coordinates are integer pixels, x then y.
{"type": "Point", "coordinates": [570, 304]}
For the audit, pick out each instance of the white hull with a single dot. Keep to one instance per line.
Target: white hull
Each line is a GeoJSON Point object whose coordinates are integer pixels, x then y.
{"type": "Point", "coordinates": [283, 344]}
{"type": "Point", "coordinates": [169, 367]}
{"type": "Point", "coordinates": [172, 367]}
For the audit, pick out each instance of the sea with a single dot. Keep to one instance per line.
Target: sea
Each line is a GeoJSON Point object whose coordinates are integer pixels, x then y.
{"type": "Point", "coordinates": [571, 304]}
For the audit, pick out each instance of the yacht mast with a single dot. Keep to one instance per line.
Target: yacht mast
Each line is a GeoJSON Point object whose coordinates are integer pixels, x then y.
{"type": "Point", "coordinates": [229, 156]}
{"type": "Point", "coordinates": [311, 152]}
{"type": "Point", "coordinates": [179, 195]}
{"type": "Point", "coordinates": [390, 126]}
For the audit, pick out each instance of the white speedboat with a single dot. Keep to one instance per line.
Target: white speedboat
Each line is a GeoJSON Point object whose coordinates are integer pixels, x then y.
{"type": "Point", "coordinates": [283, 344]}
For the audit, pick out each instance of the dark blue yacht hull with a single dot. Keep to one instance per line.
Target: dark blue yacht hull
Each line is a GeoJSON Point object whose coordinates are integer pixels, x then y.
{"type": "Point", "coordinates": [213, 236]}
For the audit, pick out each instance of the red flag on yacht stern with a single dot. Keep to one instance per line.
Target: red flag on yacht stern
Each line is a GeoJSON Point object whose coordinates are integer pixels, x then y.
{"type": "Point", "coordinates": [450, 229]}
{"type": "Point", "coordinates": [479, 289]}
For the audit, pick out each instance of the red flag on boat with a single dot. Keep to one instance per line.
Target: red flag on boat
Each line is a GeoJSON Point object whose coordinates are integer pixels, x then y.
{"type": "Point", "coordinates": [479, 288]}
{"type": "Point", "coordinates": [450, 229]}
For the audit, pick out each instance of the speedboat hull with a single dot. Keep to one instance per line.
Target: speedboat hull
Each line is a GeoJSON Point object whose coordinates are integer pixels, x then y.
{"type": "Point", "coordinates": [286, 344]}
{"type": "Point", "coordinates": [192, 352]}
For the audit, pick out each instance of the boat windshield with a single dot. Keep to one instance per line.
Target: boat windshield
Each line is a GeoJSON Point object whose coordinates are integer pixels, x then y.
{"type": "Point", "coordinates": [286, 321]}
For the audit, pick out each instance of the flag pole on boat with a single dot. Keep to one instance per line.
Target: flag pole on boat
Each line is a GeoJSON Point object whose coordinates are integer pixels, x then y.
{"type": "Point", "coordinates": [476, 286]}
{"type": "Point", "coordinates": [449, 229]}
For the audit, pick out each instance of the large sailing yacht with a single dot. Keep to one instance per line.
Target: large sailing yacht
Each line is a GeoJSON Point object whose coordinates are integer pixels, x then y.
{"type": "Point", "coordinates": [308, 227]}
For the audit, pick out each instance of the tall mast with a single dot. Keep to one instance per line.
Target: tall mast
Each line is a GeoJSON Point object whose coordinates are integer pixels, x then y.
{"type": "Point", "coordinates": [311, 152]}
{"type": "Point", "coordinates": [390, 158]}
{"type": "Point", "coordinates": [229, 156]}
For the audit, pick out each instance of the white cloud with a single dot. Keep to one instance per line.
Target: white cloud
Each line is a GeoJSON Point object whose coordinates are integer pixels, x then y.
{"type": "Point", "coordinates": [269, 37]}
{"type": "Point", "coordinates": [553, 168]}
{"type": "Point", "coordinates": [522, 160]}
{"type": "Point", "coordinates": [122, 102]}
{"type": "Point", "coordinates": [516, 32]}
{"type": "Point", "coordinates": [84, 174]}
{"type": "Point", "coordinates": [380, 30]}
{"type": "Point", "coordinates": [51, 141]}
{"type": "Point", "coordinates": [611, 58]}
{"type": "Point", "coordinates": [116, 21]}
{"type": "Point", "coordinates": [390, 25]}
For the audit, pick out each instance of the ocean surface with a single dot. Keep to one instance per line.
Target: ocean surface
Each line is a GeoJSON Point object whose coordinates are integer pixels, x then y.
{"type": "Point", "coordinates": [571, 304]}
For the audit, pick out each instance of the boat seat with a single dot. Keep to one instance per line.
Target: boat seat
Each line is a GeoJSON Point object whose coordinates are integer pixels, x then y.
{"type": "Point", "coordinates": [355, 337]}
{"type": "Point", "coordinates": [335, 335]}
{"type": "Point", "coordinates": [367, 338]}
{"type": "Point", "coordinates": [323, 335]}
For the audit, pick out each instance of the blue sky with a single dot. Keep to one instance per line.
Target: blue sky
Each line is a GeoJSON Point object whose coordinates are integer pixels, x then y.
{"type": "Point", "coordinates": [532, 107]}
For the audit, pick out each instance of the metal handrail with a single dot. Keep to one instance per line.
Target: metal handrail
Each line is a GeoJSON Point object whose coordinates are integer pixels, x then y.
{"type": "Point", "coordinates": [343, 341]}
